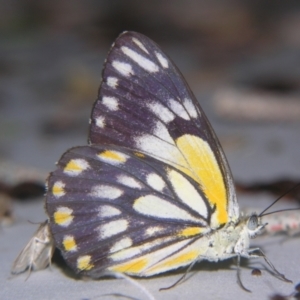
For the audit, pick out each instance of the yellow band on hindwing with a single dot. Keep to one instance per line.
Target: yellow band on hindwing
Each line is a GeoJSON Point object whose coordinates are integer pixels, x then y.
{"type": "Point", "coordinates": [135, 266]}
{"type": "Point", "coordinates": [84, 263]}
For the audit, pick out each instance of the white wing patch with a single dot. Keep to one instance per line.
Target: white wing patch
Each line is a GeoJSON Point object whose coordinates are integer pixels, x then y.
{"type": "Point", "coordinates": [162, 112]}
{"type": "Point", "coordinates": [121, 244]}
{"type": "Point", "coordinates": [178, 109]}
{"type": "Point", "coordinates": [155, 181]}
{"type": "Point", "coordinates": [123, 68]}
{"type": "Point", "coordinates": [157, 148]}
{"type": "Point", "coordinates": [189, 106]}
{"type": "Point", "coordinates": [142, 61]}
{"type": "Point", "coordinates": [111, 103]}
{"type": "Point", "coordinates": [106, 191]}
{"type": "Point", "coordinates": [112, 228]}
{"type": "Point", "coordinates": [162, 132]}
{"type": "Point", "coordinates": [112, 82]}
{"type": "Point", "coordinates": [108, 211]}
{"type": "Point", "coordinates": [162, 60]}
{"type": "Point", "coordinates": [134, 251]}
{"type": "Point", "coordinates": [139, 44]}
{"type": "Point", "coordinates": [187, 193]}
{"type": "Point", "coordinates": [152, 230]}
{"type": "Point", "coordinates": [100, 122]}
{"type": "Point", "coordinates": [129, 181]}
{"type": "Point", "coordinates": [151, 205]}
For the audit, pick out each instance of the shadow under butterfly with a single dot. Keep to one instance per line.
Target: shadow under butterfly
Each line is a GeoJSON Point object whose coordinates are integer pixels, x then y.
{"type": "Point", "coordinates": [152, 191]}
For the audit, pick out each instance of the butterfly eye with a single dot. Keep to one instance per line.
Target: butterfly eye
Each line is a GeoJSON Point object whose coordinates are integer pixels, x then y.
{"type": "Point", "coordinates": [253, 222]}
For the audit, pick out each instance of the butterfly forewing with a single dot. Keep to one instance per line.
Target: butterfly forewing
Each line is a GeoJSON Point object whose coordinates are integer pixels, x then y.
{"type": "Point", "coordinates": [145, 104]}
{"type": "Point", "coordinates": [110, 207]}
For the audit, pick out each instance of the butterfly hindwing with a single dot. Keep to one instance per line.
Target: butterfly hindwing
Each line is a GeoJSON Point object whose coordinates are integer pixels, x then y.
{"type": "Point", "coordinates": [110, 207]}
{"type": "Point", "coordinates": [145, 104]}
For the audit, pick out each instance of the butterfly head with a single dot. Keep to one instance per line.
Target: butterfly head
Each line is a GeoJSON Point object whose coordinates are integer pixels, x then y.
{"type": "Point", "coordinates": [254, 225]}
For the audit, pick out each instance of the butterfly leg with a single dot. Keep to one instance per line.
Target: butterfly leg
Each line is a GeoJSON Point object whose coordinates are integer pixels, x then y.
{"type": "Point", "coordinates": [239, 274]}
{"type": "Point", "coordinates": [181, 278]}
{"type": "Point", "coordinates": [257, 252]}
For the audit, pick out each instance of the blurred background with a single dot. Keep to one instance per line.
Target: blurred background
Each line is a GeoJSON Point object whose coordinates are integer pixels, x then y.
{"type": "Point", "coordinates": [241, 59]}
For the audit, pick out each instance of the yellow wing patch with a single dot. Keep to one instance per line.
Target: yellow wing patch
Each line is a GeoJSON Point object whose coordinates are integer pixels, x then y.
{"type": "Point", "coordinates": [63, 216]}
{"type": "Point", "coordinates": [135, 266]}
{"type": "Point", "coordinates": [69, 243]}
{"type": "Point", "coordinates": [76, 166]}
{"type": "Point", "coordinates": [84, 263]}
{"type": "Point", "coordinates": [113, 156]}
{"type": "Point", "coordinates": [174, 262]}
{"type": "Point", "coordinates": [202, 166]}
{"type": "Point", "coordinates": [190, 231]}
{"type": "Point", "coordinates": [139, 154]}
{"type": "Point", "coordinates": [58, 189]}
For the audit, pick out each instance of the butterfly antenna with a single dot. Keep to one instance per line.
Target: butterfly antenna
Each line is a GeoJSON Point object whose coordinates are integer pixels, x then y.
{"type": "Point", "coordinates": [287, 192]}
{"type": "Point", "coordinates": [280, 210]}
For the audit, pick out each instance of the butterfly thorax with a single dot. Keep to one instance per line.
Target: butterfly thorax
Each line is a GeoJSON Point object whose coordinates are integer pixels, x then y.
{"type": "Point", "coordinates": [233, 239]}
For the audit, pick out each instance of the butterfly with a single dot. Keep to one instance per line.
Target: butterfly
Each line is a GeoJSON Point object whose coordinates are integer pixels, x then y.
{"type": "Point", "coordinates": [152, 191]}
